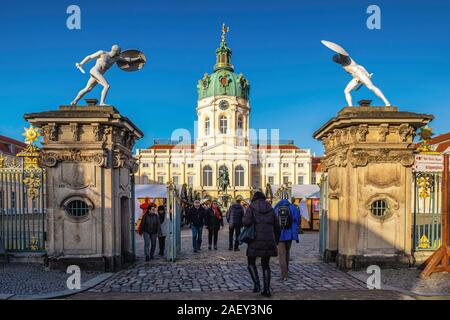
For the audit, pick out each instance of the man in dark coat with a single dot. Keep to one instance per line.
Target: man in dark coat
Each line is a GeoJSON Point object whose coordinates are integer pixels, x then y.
{"type": "Point", "coordinates": [150, 228]}
{"type": "Point", "coordinates": [267, 235]}
{"type": "Point", "coordinates": [234, 218]}
{"type": "Point", "coordinates": [197, 219]}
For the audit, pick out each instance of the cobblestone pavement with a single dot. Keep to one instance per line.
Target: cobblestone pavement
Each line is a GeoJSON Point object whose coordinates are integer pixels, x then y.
{"type": "Point", "coordinates": [30, 279]}
{"type": "Point", "coordinates": [224, 272]}
{"type": "Point", "coordinates": [408, 279]}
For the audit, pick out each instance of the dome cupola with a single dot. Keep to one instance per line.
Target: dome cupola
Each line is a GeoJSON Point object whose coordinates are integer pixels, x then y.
{"type": "Point", "coordinates": [223, 81]}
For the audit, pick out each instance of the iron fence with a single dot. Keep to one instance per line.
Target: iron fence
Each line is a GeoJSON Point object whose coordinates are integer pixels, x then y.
{"type": "Point", "coordinates": [427, 214]}
{"type": "Point", "coordinates": [22, 214]}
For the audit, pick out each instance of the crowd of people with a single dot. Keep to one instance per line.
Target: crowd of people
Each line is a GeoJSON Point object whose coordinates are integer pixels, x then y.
{"type": "Point", "coordinates": [275, 228]}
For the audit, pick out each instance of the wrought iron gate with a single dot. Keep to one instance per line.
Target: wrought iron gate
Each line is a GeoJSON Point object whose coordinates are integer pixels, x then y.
{"type": "Point", "coordinates": [22, 214]}
{"type": "Point", "coordinates": [323, 223]}
{"type": "Point", "coordinates": [173, 214]}
{"type": "Point", "coordinates": [22, 198]}
{"type": "Point", "coordinates": [427, 214]}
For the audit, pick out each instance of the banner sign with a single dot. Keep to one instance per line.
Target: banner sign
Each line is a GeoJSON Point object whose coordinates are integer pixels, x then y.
{"type": "Point", "coordinates": [429, 163]}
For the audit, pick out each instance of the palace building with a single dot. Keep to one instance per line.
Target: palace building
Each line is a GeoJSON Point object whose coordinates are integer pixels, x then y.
{"type": "Point", "coordinates": [9, 148]}
{"type": "Point", "coordinates": [224, 141]}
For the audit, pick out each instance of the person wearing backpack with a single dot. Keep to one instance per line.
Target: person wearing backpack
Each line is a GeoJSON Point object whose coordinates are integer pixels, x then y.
{"type": "Point", "coordinates": [288, 217]}
{"type": "Point", "coordinates": [260, 214]}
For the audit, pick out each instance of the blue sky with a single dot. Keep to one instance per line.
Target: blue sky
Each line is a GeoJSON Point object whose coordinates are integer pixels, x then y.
{"type": "Point", "coordinates": [294, 85]}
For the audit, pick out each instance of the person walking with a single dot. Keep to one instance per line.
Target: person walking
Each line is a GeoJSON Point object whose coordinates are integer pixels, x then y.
{"type": "Point", "coordinates": [267, 234]}
{"type": "Point", "coordinates": [197, 217]}
{"type": "Point", "coordinates": [214, 221]}
{"type": "Point", "coordinates": [234, 218]}
{"type": "Point", "coordinates": [289, 219]}
{"type": "Point", "coordinates": [164, 228]}
{"type": "Point", "coordinates": [150, 228]}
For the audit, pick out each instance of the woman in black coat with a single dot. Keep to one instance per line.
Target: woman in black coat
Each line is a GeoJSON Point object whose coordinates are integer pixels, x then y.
{"type": "Point", "coordinates": [267, 234]}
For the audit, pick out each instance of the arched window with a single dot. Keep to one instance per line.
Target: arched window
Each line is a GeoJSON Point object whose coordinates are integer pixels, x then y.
{"type": "Point", "coordinates": [207, 127]}
{"type": "Point", "coordinates": [239, 176]}
{"type": "Point", "coordinates": [223, 124]}
{"type": "Point", "coordinates": [207, 176]}
{"type": "Point", "coordinates": [240, 125]}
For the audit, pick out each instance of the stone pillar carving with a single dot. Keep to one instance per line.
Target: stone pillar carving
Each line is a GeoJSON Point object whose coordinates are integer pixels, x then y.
{"type": "Point", "coordinates": [87, 152]}
{"type": "Point", "coordinates": [369, 152]}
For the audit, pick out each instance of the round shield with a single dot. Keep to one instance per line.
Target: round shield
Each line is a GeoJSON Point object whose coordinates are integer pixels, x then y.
{"type": "Point", "coordinates": [335, 47]}
{"type": "Point", "coordinates": [131, 60]}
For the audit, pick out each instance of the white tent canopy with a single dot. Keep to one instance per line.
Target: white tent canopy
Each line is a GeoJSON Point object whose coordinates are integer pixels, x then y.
{"type": "Point", "coordinates": [309, 191]}
{"type": "Point", "coordinates": [153, 190]}
{"type": "Point", "coordinates": [150, 191]}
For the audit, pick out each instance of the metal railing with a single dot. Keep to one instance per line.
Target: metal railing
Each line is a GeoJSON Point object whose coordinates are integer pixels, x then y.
{"type": "Point", "coordinates": [22, 215]}
{"type": "Point", "coordinates": [427, 214]}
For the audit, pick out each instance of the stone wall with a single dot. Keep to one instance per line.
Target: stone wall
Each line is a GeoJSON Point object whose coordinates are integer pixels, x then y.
{"type": "Point", "coordinates": [87, 153]}
{"type": "Point", "coordinates": [369, 152]}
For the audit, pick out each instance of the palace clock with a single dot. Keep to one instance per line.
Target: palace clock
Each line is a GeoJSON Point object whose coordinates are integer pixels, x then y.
{"type": "Point", "coordinates": [223, 105]}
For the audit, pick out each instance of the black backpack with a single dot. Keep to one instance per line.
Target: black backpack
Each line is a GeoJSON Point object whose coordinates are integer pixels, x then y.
{"type": "Point", "coordinates": [284, 217]}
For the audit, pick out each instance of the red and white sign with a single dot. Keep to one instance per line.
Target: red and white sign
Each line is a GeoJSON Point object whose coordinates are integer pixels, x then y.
{"type": "Point", "coordinates": [429, 163]}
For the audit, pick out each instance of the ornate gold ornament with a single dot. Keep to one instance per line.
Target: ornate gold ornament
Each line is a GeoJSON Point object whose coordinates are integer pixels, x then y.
{"type": "Point", "coordinates": [31, 135]}
{"type": "Point", "coordinates": [32, 173]}
{"type": "Point", "coordinates": [2, 161]}
{"type": "Point", "coordinates": [424, 148]}
{"type": "Point", "coordinates": [424, 182]}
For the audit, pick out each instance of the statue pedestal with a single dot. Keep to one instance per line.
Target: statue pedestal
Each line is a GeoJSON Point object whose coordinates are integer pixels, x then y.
{"type": "Point", "coordinates": [369, 152]}
{"type": "Point", "coordinates": [87, 154]}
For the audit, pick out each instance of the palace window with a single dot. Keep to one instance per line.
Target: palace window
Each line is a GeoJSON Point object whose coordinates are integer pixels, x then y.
{"type": "Point", "coordinates": [240, 125]}
{"type": "Point", "coordinates": [160, 165]}
{"type": "Point", "coordinates": [175, 165]}
{"type": "Point", "coordinates": [190, 181]}
{"type": "Point", "coordinates": [223, 124]}
{"type": "Point", "coordinates": [300, 180]}
{"type": "Point", "coordinates": [175, 180]}
{"type": "Point", "coordinates": [207, 176]}
{"type": "Point", "coordinates": [285, 165]}
{"type": "Point", "coordinates": [239, 176]}
{"type": "Point", "coordinates": [270, 165]}
{"type": "Point", "coordinates": [207, 127]}
{"type": "Point", "coordinates": [145, 165]}
{"type": "Point", "coordinates": [160, 179]}
{"type": "Point", "coordinates": [190, 165]}
{"type": "Point", "coordinates": [144, 179]}
{"type": "Point", "coordinates": [300, 164]}
{"type": "Point", "coordinates": [270, 179]}
{"type": "Point", "coordinates": [285, 179]}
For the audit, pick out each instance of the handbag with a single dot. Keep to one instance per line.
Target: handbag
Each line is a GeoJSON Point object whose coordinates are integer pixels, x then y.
{"type": "Point", "coordinates": [248, 234]}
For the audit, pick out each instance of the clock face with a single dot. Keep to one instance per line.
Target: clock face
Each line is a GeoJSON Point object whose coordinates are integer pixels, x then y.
{"type": "Point", "coordinates": [223, 105]}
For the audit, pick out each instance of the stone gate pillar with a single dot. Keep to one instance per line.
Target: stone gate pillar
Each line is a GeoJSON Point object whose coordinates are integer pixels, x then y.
{"type": "Point", "coordinates": [369, 153]}
{"type": "Point", "coordinates": [87, 153]}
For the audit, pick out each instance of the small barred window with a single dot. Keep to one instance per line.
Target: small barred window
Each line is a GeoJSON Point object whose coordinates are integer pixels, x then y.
{"type": "Point", "coordinates": [77, 208]}
{"type": "Point", "coordinates": [379, 208]}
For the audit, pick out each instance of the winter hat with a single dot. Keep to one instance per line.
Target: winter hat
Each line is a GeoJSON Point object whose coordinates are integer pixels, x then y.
{"type": "Point", "coordinates": [144, 206]}
{"type": "Point", "coordinates": [258, 195]}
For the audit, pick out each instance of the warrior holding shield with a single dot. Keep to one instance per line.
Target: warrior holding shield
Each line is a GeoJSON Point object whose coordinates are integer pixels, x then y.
{"type": "Point", "coordinates": [130, 60]}
{"type": "Point", "coordinates": [358, 72]}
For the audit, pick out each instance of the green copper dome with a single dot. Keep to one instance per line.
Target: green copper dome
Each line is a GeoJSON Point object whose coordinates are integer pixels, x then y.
{"type": "Point", "coordinates": [223, 81]}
